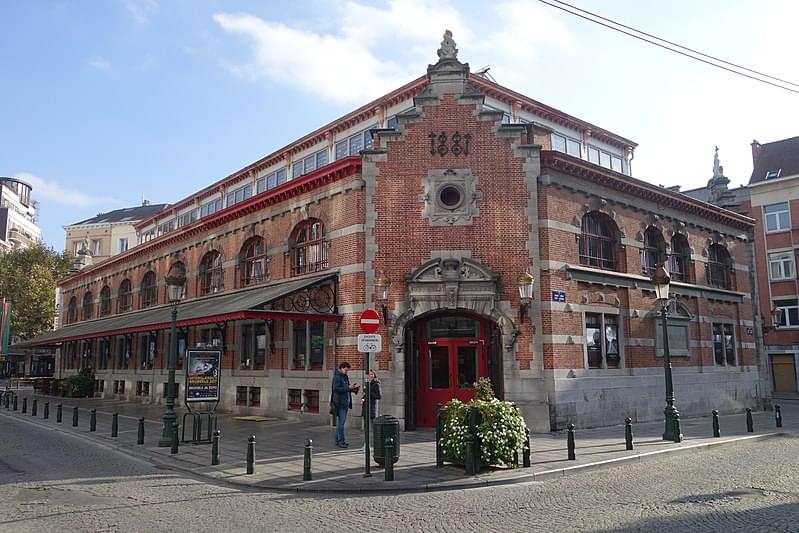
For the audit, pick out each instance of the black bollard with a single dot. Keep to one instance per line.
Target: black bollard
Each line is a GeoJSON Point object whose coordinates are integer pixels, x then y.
{"type": "Point", "coordinates": [46, 413]}
{"type": "Point", "coordinates": [174, 449]}
{"type": "Point", "coordinates": [6, 399]}
{"type": "Point", "coordinates": [306, 461]}
{"type": "Point", "coordinates": [716, 430]}
{"type": "Point", "coordinates": [140, 435]}
{"type": "Point", "coordinates": [115, 425]}
{"type": "Point", "coordinates": [439, 435]}
{"type": "Point", "coordinates": [750, 428]}
{"type": "Point", "coordinates": [15, 402]}
{"type": "Point", "coordinates": [526, 449]}
{"type": "Point", "coordinates": [389, 472]}
{"type": "Point", "coordinates": [59, 413]}
{"type": "Point", "coordinates": [628, 433]}
{"type": "Point", "coordinates": [215, 448]}
{"type": "Point", "coordinates": [74, 417]}
{"type": "Point", "coordinates": [778, 415]}
{"type": "Point", "coordinates": [570, 441]}
{"type": "Point", "coordinates": [24, 405]}
{"type": "Point", "coordinates": [677, 432]}
{"type": "Point", "coordinates": [93, 421]}
{"type": "Point", "coordinates": [34, 407]}
{"type": "Point", "coordinates": [251, 454]}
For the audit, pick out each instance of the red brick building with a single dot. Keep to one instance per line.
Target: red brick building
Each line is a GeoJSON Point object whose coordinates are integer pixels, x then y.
{"type": "Point", "coordinates": [451, 187]}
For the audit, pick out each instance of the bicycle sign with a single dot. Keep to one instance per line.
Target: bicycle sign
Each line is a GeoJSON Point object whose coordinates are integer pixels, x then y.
{"type": "Point", "coordinates": [370, 343]}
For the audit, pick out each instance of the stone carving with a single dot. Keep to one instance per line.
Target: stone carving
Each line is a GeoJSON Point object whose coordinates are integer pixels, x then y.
{"type": "Point", "coordinates": [448, 48]}
{"type": "Point", "coordinates": [450, 197]}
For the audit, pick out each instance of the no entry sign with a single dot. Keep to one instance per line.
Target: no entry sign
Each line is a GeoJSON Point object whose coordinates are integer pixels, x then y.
{"type": "Point", "coordinates": [369, 321]}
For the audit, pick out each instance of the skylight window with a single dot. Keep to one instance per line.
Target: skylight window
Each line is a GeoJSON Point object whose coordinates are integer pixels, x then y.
{"type": "Point", "coordinates": [773, 173]}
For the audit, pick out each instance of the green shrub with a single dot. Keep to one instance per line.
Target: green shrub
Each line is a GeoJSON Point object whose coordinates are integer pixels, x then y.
{"type": "Point", "coordinates": [80, 385]}
{"type": "Point", "coordinates": [501, 430]}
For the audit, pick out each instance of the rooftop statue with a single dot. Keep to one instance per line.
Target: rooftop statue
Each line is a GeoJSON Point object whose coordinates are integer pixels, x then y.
{"type": "Point", "coordinates": [448, 49]}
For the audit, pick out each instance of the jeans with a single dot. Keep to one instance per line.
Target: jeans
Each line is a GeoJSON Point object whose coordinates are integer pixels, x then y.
{"type": "Point", "coordinates": [342, 418]}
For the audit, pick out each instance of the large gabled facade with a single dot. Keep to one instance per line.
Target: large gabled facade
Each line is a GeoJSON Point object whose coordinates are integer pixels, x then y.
{"type": "Point", "coordinates": [430, 204]}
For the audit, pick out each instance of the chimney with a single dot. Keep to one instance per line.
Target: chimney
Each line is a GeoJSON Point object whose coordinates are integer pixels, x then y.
{"type": "Point", "coordinates": [757, 149]}
{"type": "Point", "coordinates": [145, 202]}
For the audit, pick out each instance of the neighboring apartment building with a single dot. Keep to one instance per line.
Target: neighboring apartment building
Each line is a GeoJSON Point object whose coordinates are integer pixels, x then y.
{"type": "Point", "coordinates": [430, 204]}
{"type": "Point", "coordinates": [108, 234]}
{"type": "Point", "coordinates": [18, 227]}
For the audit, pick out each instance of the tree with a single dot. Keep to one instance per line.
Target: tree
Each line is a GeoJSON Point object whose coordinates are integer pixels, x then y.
{"type": "Point", "coordinates": [28, 279]}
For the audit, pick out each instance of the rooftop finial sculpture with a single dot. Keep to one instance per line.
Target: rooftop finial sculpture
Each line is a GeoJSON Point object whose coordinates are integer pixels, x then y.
{"type": "Point", "coordinates": [448, 48]}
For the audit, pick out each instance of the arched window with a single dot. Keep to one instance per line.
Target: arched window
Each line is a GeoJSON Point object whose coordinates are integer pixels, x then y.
{"type": "Point", "coordinates": [254, 265]}
{"type": "Point", "coordinates": [105, 301]}
{"type": "Point", "coordinates": [654, 252]}
{"type": "Point", "coordinates": [598, 241]}
{"type": "Point", "coordinates": [308, 247]}
{"type": "Point", "coordinates": [147, 291]}
{"type": "Point", "coordinates": [87, 309]}
{"type": "Point", "coordinates": [680, 259]}
{"type": "Point", "coordinates": [719, 267]}
{"type": "Point", "coordinates": [124, 296]}
{"type": "Point", "coordinates": [72, 310]}
{"type": "Point", "coordinates": [211, 277]}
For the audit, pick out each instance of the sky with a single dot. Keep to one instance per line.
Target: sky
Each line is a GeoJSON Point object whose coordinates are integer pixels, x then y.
{"type": "Point", "coordinates": [106, 103]}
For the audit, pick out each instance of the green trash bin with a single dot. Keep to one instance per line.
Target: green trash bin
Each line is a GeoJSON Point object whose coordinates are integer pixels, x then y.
{"type": "Point", "coordinates": [385, 426]}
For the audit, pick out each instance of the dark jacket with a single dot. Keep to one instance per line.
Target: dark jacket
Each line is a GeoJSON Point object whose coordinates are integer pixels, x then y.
{"type": "Point", "coordinates": [341, 396]}
{"type": "Point", "coordinates": [375, 395]}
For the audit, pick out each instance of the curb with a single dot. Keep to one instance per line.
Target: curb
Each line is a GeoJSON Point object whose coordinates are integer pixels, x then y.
{"type": "Point", "coordinates": [470, 483]}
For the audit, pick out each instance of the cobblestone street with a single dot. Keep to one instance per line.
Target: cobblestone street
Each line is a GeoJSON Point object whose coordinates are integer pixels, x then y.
{"type": "Point", "coordinates": [53, 481]}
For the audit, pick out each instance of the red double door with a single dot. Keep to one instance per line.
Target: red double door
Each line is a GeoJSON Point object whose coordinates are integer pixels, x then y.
{"type": "Point", "coordinates": [449, 367]}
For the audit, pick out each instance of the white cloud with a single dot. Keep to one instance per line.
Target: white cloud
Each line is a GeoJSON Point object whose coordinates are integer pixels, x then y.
{"type": "Point", "coordinates": [141, 10]}
{"type": "Point", "coordinates": [100, 64]}
{"type": "Point", "coordinates": [52, 191]}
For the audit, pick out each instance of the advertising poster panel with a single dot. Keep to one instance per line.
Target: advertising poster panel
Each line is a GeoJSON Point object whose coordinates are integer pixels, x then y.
{"type": "Point", "coordinates": [202, 375]}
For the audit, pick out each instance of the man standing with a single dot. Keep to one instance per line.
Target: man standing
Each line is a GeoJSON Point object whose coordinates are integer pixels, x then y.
{"type": "Point", "coordinates": [342, 400]}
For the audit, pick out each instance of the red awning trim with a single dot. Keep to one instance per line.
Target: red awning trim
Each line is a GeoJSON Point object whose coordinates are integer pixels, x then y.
{"type": "Point", "coordinates": [212, 319]}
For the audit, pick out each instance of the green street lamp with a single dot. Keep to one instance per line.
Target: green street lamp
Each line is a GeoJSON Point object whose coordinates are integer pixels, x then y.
{"type": "Point", "coordinates": [175, 283]}
{"type": "Point", "coordinates": [661, 280]}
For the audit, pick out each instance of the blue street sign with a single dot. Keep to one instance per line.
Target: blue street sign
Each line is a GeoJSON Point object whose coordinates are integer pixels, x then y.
{"type": "Point", "coordinates": [558, 296]}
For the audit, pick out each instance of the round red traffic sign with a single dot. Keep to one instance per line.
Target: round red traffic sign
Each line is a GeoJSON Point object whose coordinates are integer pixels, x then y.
{"type": "Point", "coordinates": [369, 321]}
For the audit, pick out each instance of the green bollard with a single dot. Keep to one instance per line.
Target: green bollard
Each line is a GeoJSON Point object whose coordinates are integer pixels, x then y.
{"type": "Point", "coordinates": [46, 413]}
{"type": "Point", "coordinates": [6, 400]}
{"type": "Point", "coordinates": [59, 413]}
{"type": "Point", "coordinates": [389, 471]}
{"type": "Point", "coordinates": [439, 435]}
{"type": "Point", "coordinates": [115, 425]}
{"type": "Point", "coordinates": [778, 415]}
{"type": "Point", "coordinates": [93, 421]}
{"type": "Point", "coordinates": [251, 454]}
{"type": "Point", "coordinates": [174, 449]}
{"type": "Point", "coordinates": [306, 461]}
{"type": "Point", "coordinates": [716, 429]}
{"type": "Point", "coordinates": [74, 417]}
{"type": "Point", "coordinates": [526, 451]}
{"type": "Point", "coordinates": [24, 405]}
{"type": "Point", "coordinates": [15, 402]}
{"type": "Point", "coordinates": [34, 407]}
{"type": "Point", "coordinates": [570, 442]}
{"type": "Point", "coordinates": [215, 448]}
{"type": "Point", "coordinates": [749, 422]}
{"type": "Point", "coordinates": [140, 435]}
{"type": "Point", "coordinates": [628, 433]}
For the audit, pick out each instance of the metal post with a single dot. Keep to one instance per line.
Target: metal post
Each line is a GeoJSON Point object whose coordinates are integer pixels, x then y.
{"type": "Point", "coordinates": [472, 442]}
{"type": "Point", "coordinates": [526, 450]}
{"type": "Point", "coordinates": [115, 425]}
{"type": "Point", "coordinates": [5, 399]}
{"type": "Point", "coordinates": [628, 433]}
{"type": "Point", "coordinates": [389, 472]}
{"type": "Point", "coordinates": [93, 421]}
{"type": "Point", "coordinates": [716, 430]}
{"type": "Point", "coordinates": [749, 423]}
{"type": "Point", "coordinates": [170, 417]}
{"type": "Point", "coordinates": [75, 416]}
{"type": "Point", "coordinates": [15, 402]}
{"type": "Point", "coordinates": [215, 448]}
{"type": "Point", "coordinates": [59, 412]}
{"type": "Point", "coordinates": [367, 465]}
{"type": "Point", "coordinates": [677, 432]}
{"type": "Point", "coordinates": [140, 435]}
{"type": "Point", "coordinates": [778, 415]}
{"type": "Point", "coordinates": [671, 433]}
{"type": "Point", "coordinates": [439, 435]}
{"type": "Point", "coordinates": [175, 441]}
{"type": "Point", "coordinates": [24, 405]}
{"type": "Point", "coordinates": [46, 413]}
{"type": "Point", "coordinates": [34, 407]}
{"type": "Point", "coordinates": [251, 454]}
{"type": "Point", "coordinates": [570, 442]}
{"type": "Point", "coordinates": [306, 461]}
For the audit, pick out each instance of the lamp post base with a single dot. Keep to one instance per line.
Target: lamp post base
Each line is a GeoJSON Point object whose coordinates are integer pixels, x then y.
{"type": "Point", "coordinates": [166, 435]}
{"type": "Point", "coordinates": [672, 432]}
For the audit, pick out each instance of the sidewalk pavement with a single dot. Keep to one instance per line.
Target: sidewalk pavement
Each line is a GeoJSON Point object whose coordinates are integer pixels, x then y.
{"type": "Point", "coordinates": [279, 448]}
